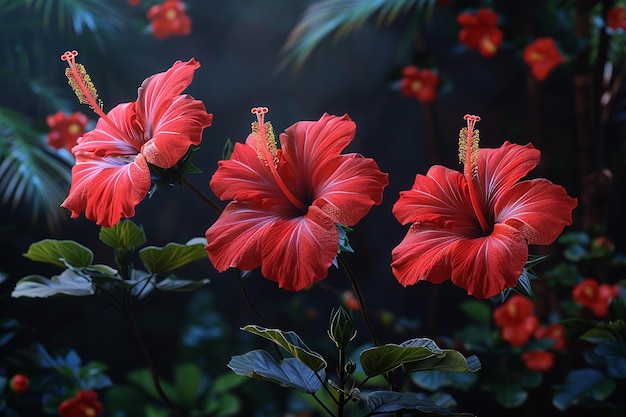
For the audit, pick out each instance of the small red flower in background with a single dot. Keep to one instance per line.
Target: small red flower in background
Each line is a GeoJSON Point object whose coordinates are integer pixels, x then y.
{"type": "Point", "coordinates": [555, 332]}
{"type": "Point", "coordinates": [616, 18]}
{"type": "Point", "coordinates": [84, 404]}
{"type": "Point", "coordinates": [169, 19]}
{"type": "Point", "coordinates": [19, 383]}
{"type": "Point", "coordinates": [516, 320]}
{"type": "Point", "coordinates": [480, 31]}
{"type": "Point", "coordinates": [134, 2]}
{"type": "Point", "coordinates": [419, 83]}
{"type": "Point", "coordinates": [65, 129]}
{"type": "Point", "coordinates": [475, 227]}
{"type": "Point", "coordinates": [349, 300]}
{"type": "Point", "coordinates": [538, 360]}
{"type": "Point", "coordinates": [595, 296]}
{"type": "Point", "coordinates": [288, 202]}
{"type": "Point", "coordinates": [542, 56]}
{"type": "Point", "coordinates": [112, 175]}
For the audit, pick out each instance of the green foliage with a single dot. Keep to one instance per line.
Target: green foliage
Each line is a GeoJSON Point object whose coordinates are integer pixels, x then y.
{"type": "Point", "coordinates": [292, 343]}
{"type": "Point", "coordinates": [123, 236]}
{"type": "Point", "coordinates": [391, 402]}
{"type": "Point", "coordinates": [580, 385]}
{"type": "Point", "coordinates": [340, 17]}
{"type": "Point", "coordinates": [173, 255]}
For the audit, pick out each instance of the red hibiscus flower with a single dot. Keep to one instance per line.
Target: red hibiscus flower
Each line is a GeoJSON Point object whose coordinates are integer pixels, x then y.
{"type": "Point", "coordinates": [554, 331]}
{"type": "Point", "coordinates": [595, 296]}
{"type": "Point", "coordinates": [616, 18]}
{"type": "Point", "coordinates": [475, 226]}
{"type": "Point", "coordinates": [542, 56]}
{"type": "Point", "coordinates": [419, 83]}
{"type": "Point", "coordinates": [516, 320]}
{"type": "Point", "coordinates": [289, 202]}
{"type": "Point", "coordinates": [169, 19]}
{"type": "Point", "coordinates": [480, 31]}
{"type": "Point", "coordinates": [538, 360]}
{"type": "Point", "coordinates": [19, 383]}
{"type": "Point", "coordinates": [65, 129]}
{"type": "Point", "coordinates": [84, 404]}
{"type": "Point", "coordinates": [112, 173]}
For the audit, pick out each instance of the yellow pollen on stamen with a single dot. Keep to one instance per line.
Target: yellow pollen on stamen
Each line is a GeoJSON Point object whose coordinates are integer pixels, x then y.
{"type": "Point", "coordinates": [267, 151]}
{"type": "Point", "coordinates": [80, 81]}
{"type": "Point", "coordinates": [512, 310]}
{"type": "Point", "coordinates": [170, 14]}
{"type": "Point", "coordinates": [589, 292]}
{"type": "Point", "coordinates": [468, 146]}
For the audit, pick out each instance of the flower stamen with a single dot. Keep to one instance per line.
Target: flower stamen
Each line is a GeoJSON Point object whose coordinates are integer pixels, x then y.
{"type": "Point", "coordinates": [267, 151]}
{"type": "Point", "coordinates": [84, 88]}
{"type": "Point", "coordinates": [468, 155]}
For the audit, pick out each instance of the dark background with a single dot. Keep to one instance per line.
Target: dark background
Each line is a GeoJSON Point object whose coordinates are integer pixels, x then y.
{"type": "Point", "coordinates": [238, 43]}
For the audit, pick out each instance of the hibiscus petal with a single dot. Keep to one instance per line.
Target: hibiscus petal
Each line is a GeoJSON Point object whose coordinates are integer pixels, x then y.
{"type": "Point", "coordinates": [115, 137]}
{"type": "Point", "coordinates": [107, 189]}
{"type": "Point", "coordinates": [306, 145]}
{"type": "Point", "coordinates": [171, 122]}
{"type": "Point", "coordinates": [440, 197]}
{"type": "Point", "coordinates": [499, 169]}
{"type": "Point", "coordinates": [298, 252]}
{"type": "Point", "coordinates": [245, 177]}
{"type": "Point", "coordinates": [347, 187]}
{"type": "Point", "coordinates": [236, 238]}
{"type": "Point", "coordinates": [424, 254]}
{"type": "Point", "coordinates": [538, 209]}
{"type": "Point", "coordinates": [487, 265]}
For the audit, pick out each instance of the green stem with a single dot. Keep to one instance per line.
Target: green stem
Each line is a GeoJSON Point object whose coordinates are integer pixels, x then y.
{"type": "Point", "coordinates": [203, 197]}
{"type": "Point", "coordinates": [146, 354]}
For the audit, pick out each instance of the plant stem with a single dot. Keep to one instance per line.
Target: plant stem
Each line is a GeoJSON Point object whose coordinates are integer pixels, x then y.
{"type": "Point", "coordinates": [128, 315]}
{"type": "Point", "coordinates": [203, 197]}
{"type": "Point", "coordinates": [357, 292]}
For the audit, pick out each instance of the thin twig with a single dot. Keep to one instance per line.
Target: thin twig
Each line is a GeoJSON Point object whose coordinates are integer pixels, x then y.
{"type": "Point", "coordinates": [203, 197]}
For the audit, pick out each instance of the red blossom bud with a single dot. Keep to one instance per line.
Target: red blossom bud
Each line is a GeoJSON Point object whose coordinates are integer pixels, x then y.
{"type": "Point", "coordinates": [19, 383]}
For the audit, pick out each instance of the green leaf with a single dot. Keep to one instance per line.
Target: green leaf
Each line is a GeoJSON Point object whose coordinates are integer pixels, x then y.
{"type": "Point", "coordinates": [188, 383]}
{"type": "Point", "coordinates": [123, 235]}
{"type": "Point", "coordinates": [173, 255]}
{"type": "Point", "coordinates": [449, 360]}
{"type": "Point", "coordinates": [434, 380]}
{"type": "Point", "coordinates": [174, 284]}
{"type": "Point", "coordinates": [390, 402]}
{"type": "Point", "coordinates": [291, 342]}
{"type": "Point", "coordinates": [61, 253]}
{"type": "Point", "coordinates": [381, 359]}
{"type": "Point", "coordinates": [289, 373]}
{"type": "Point", "coordinates": [582, 384]}
{"type": "Point", "coordinates": [70, 282]}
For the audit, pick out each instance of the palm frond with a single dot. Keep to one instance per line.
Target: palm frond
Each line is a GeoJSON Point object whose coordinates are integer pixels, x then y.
{"type": "Point", "coordinates": [30, 175]}
{"type": "Point", "coordinates": [340, 17]}
{"type": "Point", "coordinates": [81, 16]}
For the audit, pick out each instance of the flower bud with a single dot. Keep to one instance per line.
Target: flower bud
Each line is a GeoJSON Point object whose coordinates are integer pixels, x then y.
{"type": "Point", "coordinates": [19, 384]}
{"type": "Point", "coordinates": [349, 367]}
{"type": "Point", "coordinates": [341, 330]}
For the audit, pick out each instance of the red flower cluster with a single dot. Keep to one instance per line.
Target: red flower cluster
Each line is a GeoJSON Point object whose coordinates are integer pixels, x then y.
{"type": "Point", "coordinates": [288, 202]}
{"type": "Point", "coordinates": [616, 18]}
{"type": "Point", "coordinates": [595, 296]}
{"type": "Point", "coordinates": [480, 31]}
{"type": "Point", "coordinates": [475, 226]}
{"type": "Point", "coordinates": [419, 83]}
{"type": "Point", "coordinates": [542, 56]}
{"type": "Point", "coordinates": [112, 173]}
{"type": "Point", "coordinates": [541, 360]}
{"type": "Point", "coordinates": [516, 320]}
{"type": "Point", "coordinates": [19, 383]}
{"type": "Point", "coordinates": [348, 298]}
{"type": "Point", "coordinates": [169, 19]}
{"type": "Point", "coordinates": [65, 129]}
{"type": "Point", "coordinates": [84, 404]}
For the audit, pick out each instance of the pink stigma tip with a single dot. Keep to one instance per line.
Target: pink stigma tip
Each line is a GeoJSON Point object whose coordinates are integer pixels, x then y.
{"type": "Point", "coordinates": [69, 55]}
{"type": "Point", "coordinates": [471, 118]}
{"type": "Point", "coordinates": [259, 110]}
